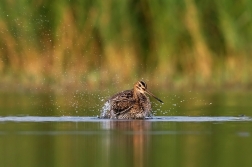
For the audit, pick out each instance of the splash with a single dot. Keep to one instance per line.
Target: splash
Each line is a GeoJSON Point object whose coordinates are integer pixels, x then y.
{"type": "Point", "coordinates": [105, 109]}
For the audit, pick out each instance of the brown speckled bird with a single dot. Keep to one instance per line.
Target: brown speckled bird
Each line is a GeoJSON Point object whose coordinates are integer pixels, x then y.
{"type": "Point", "coordinates": [129, 104]}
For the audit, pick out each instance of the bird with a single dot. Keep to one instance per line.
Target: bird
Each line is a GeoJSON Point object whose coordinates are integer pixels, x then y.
{"type": "Point", "coordinates": [129, 104]}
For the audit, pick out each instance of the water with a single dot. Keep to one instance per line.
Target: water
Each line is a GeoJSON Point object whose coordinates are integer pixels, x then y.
{"type": "Point", "coordinates": [188, 130]}
{"type": "Point", "coordinates": [107, 121]}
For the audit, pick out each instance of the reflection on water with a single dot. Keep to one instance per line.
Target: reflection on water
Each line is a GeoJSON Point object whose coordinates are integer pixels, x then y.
{"type": "Point", "coordinates": [125, 143]}
{"type": "Point", "coordinates": [112, 143]}
{"type": "Point", "coordinates": [134, 140]}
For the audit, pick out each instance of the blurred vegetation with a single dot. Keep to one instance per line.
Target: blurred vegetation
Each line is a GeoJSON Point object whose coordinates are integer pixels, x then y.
{"type": "Point", "coordinates": [92, 44]}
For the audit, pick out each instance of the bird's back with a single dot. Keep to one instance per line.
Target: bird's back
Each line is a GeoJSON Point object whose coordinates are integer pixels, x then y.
{"type": "Point", "coordinates": [122, 101]}
{"type": "Point", "coordinates": [123, 106]}
{"type": "Point", "coordinates": [118, 104]}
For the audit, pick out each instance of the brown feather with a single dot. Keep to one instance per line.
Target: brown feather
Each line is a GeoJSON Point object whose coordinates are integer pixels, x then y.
{"type": "Point", "coordinates": [129, 104]}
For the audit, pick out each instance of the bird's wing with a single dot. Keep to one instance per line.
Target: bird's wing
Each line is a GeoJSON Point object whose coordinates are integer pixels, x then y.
{"type": "Point", "coordinates": [122, 102]}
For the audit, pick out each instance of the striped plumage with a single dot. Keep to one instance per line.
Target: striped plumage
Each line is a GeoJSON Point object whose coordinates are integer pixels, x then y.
{"type": "Point", "coordinates": [129, 104]}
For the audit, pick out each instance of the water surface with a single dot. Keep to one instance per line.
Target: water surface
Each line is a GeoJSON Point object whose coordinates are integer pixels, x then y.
{"type": "Point", "coordinates": [188, 130]}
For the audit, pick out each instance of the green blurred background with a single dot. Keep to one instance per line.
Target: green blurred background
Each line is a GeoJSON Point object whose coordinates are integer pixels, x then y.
{"type": "Point", "coordinates": [74, 48]}
{"type": "Point", "coordinates": [95, 44]}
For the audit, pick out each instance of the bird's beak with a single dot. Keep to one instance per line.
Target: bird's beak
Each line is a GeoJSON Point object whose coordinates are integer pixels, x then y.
{"type": "Point", "coordinates": [149, 93]}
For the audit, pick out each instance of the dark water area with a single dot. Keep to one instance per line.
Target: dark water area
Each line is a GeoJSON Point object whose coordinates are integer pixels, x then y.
{"type": "Point", "coordinates": [190, 129]}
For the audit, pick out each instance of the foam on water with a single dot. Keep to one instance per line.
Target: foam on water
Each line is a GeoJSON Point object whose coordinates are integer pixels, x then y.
{"type": "Point", "coordinates": [95, 119]}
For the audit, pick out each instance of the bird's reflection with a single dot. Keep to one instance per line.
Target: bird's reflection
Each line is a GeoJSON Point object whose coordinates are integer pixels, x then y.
{"type": "Point", "coordinates": [131, 138]}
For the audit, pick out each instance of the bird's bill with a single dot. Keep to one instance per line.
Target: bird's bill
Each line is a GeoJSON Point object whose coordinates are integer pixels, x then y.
{"type": "Point", "coordinates": [149, 93]}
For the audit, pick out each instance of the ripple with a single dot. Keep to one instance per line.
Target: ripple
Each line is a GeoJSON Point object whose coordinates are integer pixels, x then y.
{"type": "Point", "coordinates": [95, 119]}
